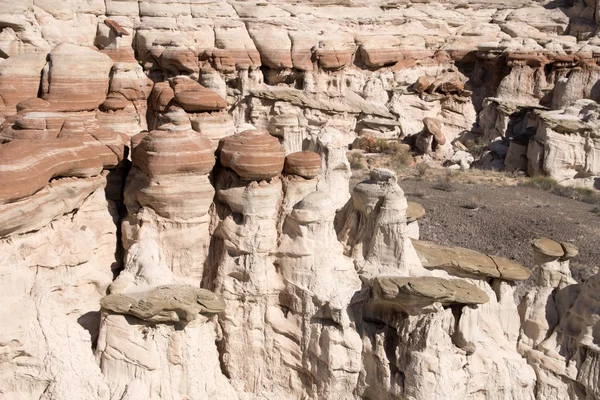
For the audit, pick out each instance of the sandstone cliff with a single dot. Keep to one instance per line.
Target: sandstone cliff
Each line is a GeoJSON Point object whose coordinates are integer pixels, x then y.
{"type": "Point", "coordinates": [176, 220]}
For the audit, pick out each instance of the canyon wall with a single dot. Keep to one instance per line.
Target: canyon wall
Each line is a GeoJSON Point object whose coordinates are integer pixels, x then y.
{"type": "Point", "coordinates": [176, 219]}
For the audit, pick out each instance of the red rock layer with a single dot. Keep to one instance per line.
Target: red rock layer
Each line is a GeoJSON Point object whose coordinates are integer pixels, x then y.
{"type": "Point", "coordinates": [173, 152]}
{"type": "Point", "coordinates": [306, 164]}
{"type": "Point", "coordinates": [20, 80]}
{"type": "Point", "coordinates": [434, 126]}
{"type": "Point", "coordinates": [161, 96]}
{"type": "Point", "coordinates": [254, 155]}
{"type": "Point", "coordinates": [231, 60]}
{"type": "Point", "coordinates": [27, 166]}
{"type": "Point", "coordinates": [77, 79]}
{"type": "Point", "coordinates": [194, 97]}
{"type": "Point", "coordinates": [35, 122]}
{"type": "Point", "coordinates": [334, 59]}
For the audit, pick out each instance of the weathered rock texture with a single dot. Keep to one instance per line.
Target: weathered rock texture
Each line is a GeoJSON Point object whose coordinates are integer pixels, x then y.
{"type": "Point", "coordinates": [175, 213]}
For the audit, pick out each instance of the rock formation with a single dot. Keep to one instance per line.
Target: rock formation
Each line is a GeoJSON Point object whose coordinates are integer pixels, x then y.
{"type": "Point", "coordinates": [177, 222]}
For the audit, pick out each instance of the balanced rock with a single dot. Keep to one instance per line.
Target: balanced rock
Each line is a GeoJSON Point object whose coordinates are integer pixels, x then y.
{"type": "Point", "coordinates": [306, 164]}
{"type": "Point", "coordinates": [548, 247]}
{"type": "Point", "coordinates": [194, 97]}
{"type": "Point", "coordinates": [254, 155]}
{"type": "Point", "coordinates": [413, 293]}
{"type": "Point", "coordinates": [468, 263]}
{"type": "Point", "coordinates": [434, 127]}
{"type": "Point", "coordinates": [570, 249]}
{"type": "Point", "coordinates": [116, 28]}
{"type": "Point", "coordinates": [414, 212]}
{"type": "Point", "coordinates": [168, 303]}
{"type": "Point", "coordinates": [174, 152]}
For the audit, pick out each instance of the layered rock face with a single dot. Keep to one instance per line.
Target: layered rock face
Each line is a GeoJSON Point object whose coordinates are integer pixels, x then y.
{"type": "Point", "coordinates": [175, 213]}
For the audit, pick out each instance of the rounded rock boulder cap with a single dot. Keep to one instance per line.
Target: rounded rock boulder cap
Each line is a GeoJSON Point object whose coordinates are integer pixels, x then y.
{"type": "Point", "coordinates": [548, 247]}
{"type": "Point", "coordinates": [172, 152]}
{"type": "Point", "coordinates": [254, 155]}
{"type": "Point", "coordinates": [570, 249]}
{"type": "Point", "coordinates": [382, 175]}
{"type": "Point", "coordinates": [414, 212]}
{"type": "Point", "coordinates": [306, 164]}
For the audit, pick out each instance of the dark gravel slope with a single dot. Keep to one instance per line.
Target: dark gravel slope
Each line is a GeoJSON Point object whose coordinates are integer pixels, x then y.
{"type": "Point", "coordinates": [505, 220]}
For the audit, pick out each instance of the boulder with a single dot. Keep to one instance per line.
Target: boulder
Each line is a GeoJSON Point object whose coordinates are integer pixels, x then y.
{"type": "Point", "coordinates": [20, 78]}
{"type": "Point", "coordinates": [193, 97]}
{"type": "Point", "coordinates": [254, 155]}
{"type": "Point", "coordinates": [414, 212]}
{"type": "Point", "coordinates": [548, 247]}
{"type": "Point", "coordinates": [77, 78]}
{"type": "Point", "coordinates": [174, 152]}
{"type": "Point", "coordinates": [434, 127]}
{"type": "Point", "coordinates": [306, 164]}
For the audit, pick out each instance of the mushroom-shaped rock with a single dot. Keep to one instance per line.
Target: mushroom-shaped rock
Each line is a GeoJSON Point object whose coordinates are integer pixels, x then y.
{"type": "Point", "coordinates": [434, 127]}
{"type": "Point", "coordinates": [174, 152]}
{"type": "Point", "coordinates": [194, 97]}
{"type": "Point", "coordinates": [254, 155]}
{"type": "Point", "coordinates": [467, 263]}
{"type": "Point", "coordinates": [116, 28]}
{"type": "Point", "coordinates": [383, 175]}
{"type": "Point", "coordinates": [570, 249]}
{"type": "Point", "coordinates": [548, 247]}
{"type": "Point", "coordinates": [306, 164]}
{"type": "Point", "coordinates": [415, 294]}
{"type": "Point", "coordinates": [168, 303]}
{"type": "Point", "coordinates": [414, 212]}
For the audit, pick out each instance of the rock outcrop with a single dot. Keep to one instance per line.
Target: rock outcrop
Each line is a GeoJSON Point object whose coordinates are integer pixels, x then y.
{"type": "Point", "coordinates": [177, 220]}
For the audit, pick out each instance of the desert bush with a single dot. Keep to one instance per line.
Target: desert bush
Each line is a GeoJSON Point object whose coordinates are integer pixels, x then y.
{"type": "Point", "coordinates": [422, 170]}
{"type": "Point", "coordinates": [596, 210]}
{"type": "Point", "coordinates": [445, 183]}
{"type": "Point", "coordinates": [356, 160]}
{"type": "Point", "coordinates": [476, 147]}
{"type": "Point", "coordinates": [540, 182]}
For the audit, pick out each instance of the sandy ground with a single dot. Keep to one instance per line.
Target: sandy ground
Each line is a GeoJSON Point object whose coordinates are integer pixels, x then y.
{"type": "Point", "coordinates": [489, 213]}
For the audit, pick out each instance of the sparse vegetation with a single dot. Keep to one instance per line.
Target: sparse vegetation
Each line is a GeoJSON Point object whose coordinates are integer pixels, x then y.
{"type": "Point", "coordinates": [596, 210]}
{"type": "Point", "coordinates": [540, 182]}
{"type": "Point", "coordinates": [400, 156]}
{"type": "Point", "coordinates": [584, 195]}
{"type": "Point", "coordinates": [422, 170]}
{"type": "Point", "coordinates": [474, 203]}
{"type": "Point", "coordinates": [357, 160]}
{"type": "Point", "coordinates": [476, 147]}
{"type": "Point", "coordinates": [445, 183]}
